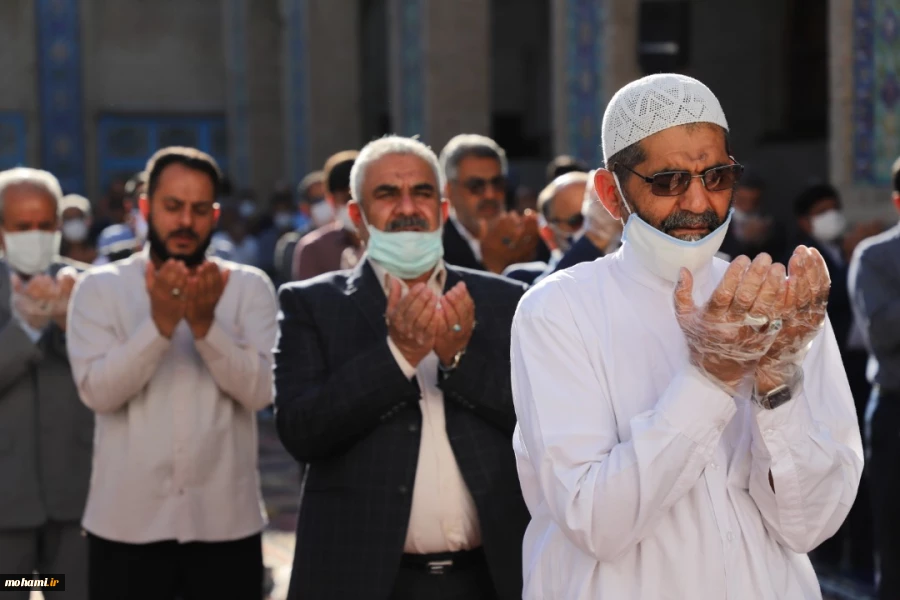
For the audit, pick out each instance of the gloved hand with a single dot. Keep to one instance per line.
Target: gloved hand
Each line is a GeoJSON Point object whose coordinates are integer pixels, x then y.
{"type": "Point", "coordinates": [599, 226]}
{"type": "Point", "coordinates": [804, 310]}
{"type": "Point", "coordinates": [728, 336]}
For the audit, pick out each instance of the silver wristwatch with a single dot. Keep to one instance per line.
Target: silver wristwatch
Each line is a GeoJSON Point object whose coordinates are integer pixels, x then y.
{"type": "Point", "coordinates": [783, 393]}
{"type": "Point", "coordinates": [448, 369]}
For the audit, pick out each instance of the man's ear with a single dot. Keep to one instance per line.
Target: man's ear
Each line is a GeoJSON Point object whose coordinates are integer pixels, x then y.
{"type": "Point", "coordinates": [896, 200]}
{"type": "Point", "coordinates": [354, 210]}
{"type": "Point", "coordinates": [606, 188]}
{"type": "Point", "coordinates": [144, 206]}
{"type": "Point", "coordinates": [445, 210]}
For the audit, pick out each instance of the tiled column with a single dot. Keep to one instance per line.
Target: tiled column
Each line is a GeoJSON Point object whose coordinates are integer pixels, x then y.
{"type": "Point", "coordinates": [594, 44]}
{"type": "Point", "coordinates": [865, 101]}
{"type": "Point", "coordinates": [439, 86]}
{"type": "Point", "coordinates": [235, 18]}
{"type": "Point", "coordinates": [60, 95]}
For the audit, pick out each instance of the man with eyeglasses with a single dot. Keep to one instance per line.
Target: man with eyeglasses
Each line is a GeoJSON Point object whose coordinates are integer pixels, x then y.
{"type": "Point", "coordinates": [685, 427]}
{"type": "Point", "coordinates": [481, 234]}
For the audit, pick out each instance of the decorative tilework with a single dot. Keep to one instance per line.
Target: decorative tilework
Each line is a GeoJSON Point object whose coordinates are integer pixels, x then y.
{"type": "Point", "coordinates": [584, 82]}
{"type": "Point", "coordinates": [238, 95]}
{"type": "Point", "coordinates": [296, 72]}
{"type": "Point", "coordinates": [12, 140]}
{"type": "Point", "coordinates": [876, 107]}
{"type": "Point", "coordinates": [412, 76]}
{"type": "Point", "coordinates": [59, 68]}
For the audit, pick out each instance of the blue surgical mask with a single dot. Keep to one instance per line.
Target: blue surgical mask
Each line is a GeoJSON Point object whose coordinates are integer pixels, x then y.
{"type": "Point", "coordinates": [405, 254]}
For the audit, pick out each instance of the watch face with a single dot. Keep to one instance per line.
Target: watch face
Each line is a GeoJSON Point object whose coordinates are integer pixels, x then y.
{"type": "Point", "coordinates": [777, 397]}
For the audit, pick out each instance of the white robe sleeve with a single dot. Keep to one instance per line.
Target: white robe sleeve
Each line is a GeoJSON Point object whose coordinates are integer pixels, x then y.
{"type": "Point", "coordinates": [606, 495]}
{"type": "Point", "coordinates": [813, 449]}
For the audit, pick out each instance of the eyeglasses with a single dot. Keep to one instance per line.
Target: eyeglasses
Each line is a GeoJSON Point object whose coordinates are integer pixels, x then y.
{"type": "Point", "coordinates": [675, 183]}
{"type": "Point", "coordinates": [575, 221]}
{"type": "Point", "coordinates": [477, 185]}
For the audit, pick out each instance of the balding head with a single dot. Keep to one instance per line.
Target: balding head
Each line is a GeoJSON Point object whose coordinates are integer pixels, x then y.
{"type": "Point", "coordinates": [560, 204]}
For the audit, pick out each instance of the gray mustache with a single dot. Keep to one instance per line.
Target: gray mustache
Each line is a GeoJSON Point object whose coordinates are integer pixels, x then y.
{"type": "Point", "coordinates": [401, 223]}
{"type": "Point", "coordinates": [684, 219]}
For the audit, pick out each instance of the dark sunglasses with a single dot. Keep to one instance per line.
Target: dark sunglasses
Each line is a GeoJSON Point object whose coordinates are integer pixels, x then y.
{"type": "Point", "coordinates": [575, 221]}
{"type": "Point", "coordinates": [477, 185]}
{"type": "Point", "coordinates": [675, 183]}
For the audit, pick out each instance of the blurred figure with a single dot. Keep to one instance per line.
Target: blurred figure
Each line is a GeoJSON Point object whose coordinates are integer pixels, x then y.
{"type": "Point", "coordinates": [77, 244]}
{"type": "Point", "coordinates": [280, 222]}
{"type": "Point", "coordinates": [752, 229]}
{"type": "Point", "coordinates": [45, 431]}
{"type": "Point", "coordinates": [115, 243]}
{"type": "Point", "coordinates": [481, 234]}
{"type": "Point", "coordinates": [233, 236]}
{"type": "Point", "coordinates": [134, 189]}
{"type": "Point", "coordinates": [563, 164]}
{"type": "Point", "coordinates": [822, 225]}
{"type": "Point", "coordinates": [526, 200]}
{"type": "Point", "coordinates": [173, 352]}
{"type": "Point", "coordinates": [312, 187]}
{"type": "Point", "coordinates": [401, 405]}
{"type": "Point", "coordinates": [561, 219]}
{"type": "Point", "coordinates": [335, 245]}
{"type": "Point", "coordinates": [875, 293]}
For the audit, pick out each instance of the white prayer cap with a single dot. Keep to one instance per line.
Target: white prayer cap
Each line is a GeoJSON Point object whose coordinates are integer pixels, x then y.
{"type": "Point", "coordinates": [654, 103]}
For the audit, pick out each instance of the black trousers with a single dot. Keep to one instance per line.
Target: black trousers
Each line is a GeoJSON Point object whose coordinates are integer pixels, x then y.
{"type": "Point", "coordinates": [883, 433]}
{"type": "Point", "coordinates": [470, 583]}
{"type": "Point", "coordinates": [169, 570]}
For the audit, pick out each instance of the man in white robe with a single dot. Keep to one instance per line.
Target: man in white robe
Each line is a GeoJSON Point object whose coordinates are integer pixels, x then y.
{"type": "Point", "coordinates": [685, 425]}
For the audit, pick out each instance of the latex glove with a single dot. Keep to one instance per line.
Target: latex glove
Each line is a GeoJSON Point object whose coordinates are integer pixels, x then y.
{"type": "Point", "coordinates": [728, 336]}
{"type": "Point", "coordinates": [804, 310]}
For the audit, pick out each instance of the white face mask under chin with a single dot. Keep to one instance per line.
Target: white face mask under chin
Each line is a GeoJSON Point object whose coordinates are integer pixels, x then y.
{"type": "Point", "coordinates": [664, 255]}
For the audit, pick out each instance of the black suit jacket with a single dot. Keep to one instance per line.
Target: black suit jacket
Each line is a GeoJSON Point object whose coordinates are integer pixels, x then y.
{"type": "Point", "coordinates": [344, 406]}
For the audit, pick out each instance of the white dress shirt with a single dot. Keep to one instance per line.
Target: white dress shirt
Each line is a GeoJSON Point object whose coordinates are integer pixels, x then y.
{"type": "Point", "coordinates": [443, 517]}
{"type": "Point", "coordinates": [647, 482]}
{"type": "Point", "coordinates": [175, 447]}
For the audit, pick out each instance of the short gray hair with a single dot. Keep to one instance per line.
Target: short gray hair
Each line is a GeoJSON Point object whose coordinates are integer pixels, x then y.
{"type": "Point", "coordinates": [386, 146]}
{"type": "Point", "coordinates": [42, 180]}
{"type": "Point", "coordinates": [466, 145]}
{"type": "Point", "coordinates": [545, 198]}
{"type": "Point", "coordinates": [75, 201]}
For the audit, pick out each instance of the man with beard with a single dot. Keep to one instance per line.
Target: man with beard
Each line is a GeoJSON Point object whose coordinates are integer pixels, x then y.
{"type": "Point", "coordinates": [401, 405]}
{"type": "Point", "coordinates": [685, 427]}
{"type": "Point", "coordinates": [173, 353]}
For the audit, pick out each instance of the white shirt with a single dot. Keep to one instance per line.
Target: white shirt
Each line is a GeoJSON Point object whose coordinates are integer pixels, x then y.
{"type": "Point", "coordinates": [443, 516]}
{"type": "Point", "coordinates": [175, 443]}
{"type": "Point", "coordinates": [647, 482]}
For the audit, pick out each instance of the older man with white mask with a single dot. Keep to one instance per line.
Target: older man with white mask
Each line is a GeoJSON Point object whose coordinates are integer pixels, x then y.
{"type": "Point", "coordinates": [685, 425]}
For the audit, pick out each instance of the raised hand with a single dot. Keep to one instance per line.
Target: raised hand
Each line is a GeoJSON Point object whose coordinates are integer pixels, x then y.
{"type": "Point", "coordinates": [167, 289]}
{"type": "Point", "coordinates": [458, 316]}
{"type": "Point", "coordinates": [508, 239]}
{"type": "Point", "coordinates": [33, 301]}
{"type": "Point", "coordinates": [804, 311]}
{"type": "Point", "coordinates": [412, 320]}
{"type": "Point", "coordinates": [204, 289]}
{"type": "Point", "coordinates": [729, 335]}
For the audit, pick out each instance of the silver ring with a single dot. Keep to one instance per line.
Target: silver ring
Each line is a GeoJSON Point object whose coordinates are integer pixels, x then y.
{"type": "Point", "coordinates": [176, 292]}
{"type": "Point", "coordinates": [776, 325]}
{"type": "Point", "coordinates": [757, 323]}
{"type": "Point", "coordinates": [457, 327]}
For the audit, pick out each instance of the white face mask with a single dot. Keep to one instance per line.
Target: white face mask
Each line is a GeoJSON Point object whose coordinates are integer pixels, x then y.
{"type": "Point", "coordinates": [664, 255]}
{"type": "Point", "coordinates": [322, 213]}
{"type": "Point", "coordinates": [75, 230]}
{"type": "Point", "coordinates": [343, 217]}
{"type": "Point", "coordinates": [31, 252]}
{"type": "Point", "coordinates": [829, 226]}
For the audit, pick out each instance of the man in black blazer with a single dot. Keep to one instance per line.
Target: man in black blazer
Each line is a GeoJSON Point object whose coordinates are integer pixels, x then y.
{"type": "Point", "coordinates": [393, 384]}
{"type": "Point", "coordinates": [481, 233]}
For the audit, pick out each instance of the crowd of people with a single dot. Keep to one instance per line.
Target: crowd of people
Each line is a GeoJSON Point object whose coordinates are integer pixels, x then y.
{"type": "Point", "coordinates": [636, 384]}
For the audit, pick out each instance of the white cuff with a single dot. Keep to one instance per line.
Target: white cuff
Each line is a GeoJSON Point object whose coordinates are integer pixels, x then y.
{"type": "Point", "coordinates": [408, 369]}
